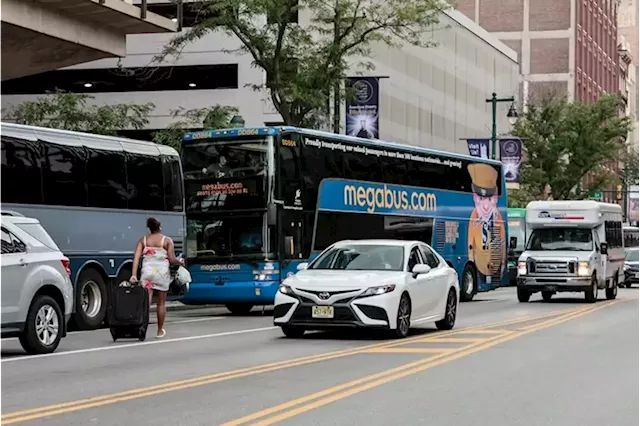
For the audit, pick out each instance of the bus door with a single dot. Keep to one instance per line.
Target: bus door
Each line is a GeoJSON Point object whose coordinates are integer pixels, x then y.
{"type": "Point", "coordinates": [291, 231]}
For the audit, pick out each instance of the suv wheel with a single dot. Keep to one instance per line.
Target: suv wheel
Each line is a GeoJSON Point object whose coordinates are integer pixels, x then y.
{"type": "Point", "coordinates": [43, 329]}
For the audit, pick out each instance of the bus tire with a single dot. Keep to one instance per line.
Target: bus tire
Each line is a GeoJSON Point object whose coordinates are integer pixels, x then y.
{"type": "Point", "coordinates": [239, 308]}
{"type": "Point", "coordinates": [91, 300]}
{"type": "Point", "coordinates": [468, 283]}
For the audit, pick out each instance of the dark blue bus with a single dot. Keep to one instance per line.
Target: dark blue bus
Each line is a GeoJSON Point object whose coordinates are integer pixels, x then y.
{"type": "Point", "coordinates": [261, 200]}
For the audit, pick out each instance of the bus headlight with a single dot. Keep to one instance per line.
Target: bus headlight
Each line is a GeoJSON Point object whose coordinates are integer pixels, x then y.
{"type": "Point", "coordinates": [522, 268]}
{"type": "Point", "coordinates": [583, 269]}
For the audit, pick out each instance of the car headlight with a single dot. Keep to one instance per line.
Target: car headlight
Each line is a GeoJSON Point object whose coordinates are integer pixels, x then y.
{"type": "Point", "coordinates": [583, 269]}
{"type": "Point", "coordinates": [285, 289]}
{"type": "Point", "coordinates": [522, 268]}
{"type": "Point", "coordinates": [376, 291]}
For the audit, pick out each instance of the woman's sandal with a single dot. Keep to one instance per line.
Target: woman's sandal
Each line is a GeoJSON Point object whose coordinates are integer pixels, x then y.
{"type": "Point", "coordinates": [162, 333]}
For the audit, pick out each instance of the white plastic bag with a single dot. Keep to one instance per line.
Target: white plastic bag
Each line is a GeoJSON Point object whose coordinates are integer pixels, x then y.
{"type": "Point", "coordinates": [183, 277]}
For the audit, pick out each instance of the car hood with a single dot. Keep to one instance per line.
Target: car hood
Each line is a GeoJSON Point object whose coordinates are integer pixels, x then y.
{"type": "Point", "coordinates": [631, 263]}
{"type": "Point", "coordinates": [329, 280]}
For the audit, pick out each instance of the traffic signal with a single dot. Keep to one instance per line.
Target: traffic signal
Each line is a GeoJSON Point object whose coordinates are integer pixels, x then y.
{"type": "Point", "coordinates": [619, 192]}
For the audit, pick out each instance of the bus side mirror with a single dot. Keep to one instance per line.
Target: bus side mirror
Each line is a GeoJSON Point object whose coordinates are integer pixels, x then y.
{"type": "Point", "coordinates": [513, 242]}
{"type": "Point", "coordinates": [289, 247]}
{"type": "Point", "coordinates": [604, 248]}
{"type": "Point", "coordinates": [272, 215]}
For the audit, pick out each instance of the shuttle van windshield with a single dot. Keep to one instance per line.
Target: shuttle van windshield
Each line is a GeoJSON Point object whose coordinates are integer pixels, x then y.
{"type": "Point", "coordinates": [561, 239]}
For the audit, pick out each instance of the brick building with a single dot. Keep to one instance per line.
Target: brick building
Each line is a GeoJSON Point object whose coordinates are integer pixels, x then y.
{"type": "Point", "coordinates": [563, 45]}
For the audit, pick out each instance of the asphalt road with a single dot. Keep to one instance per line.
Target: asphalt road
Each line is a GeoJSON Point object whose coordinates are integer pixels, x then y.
{"type": "Point", "coordinates": [505, 364]}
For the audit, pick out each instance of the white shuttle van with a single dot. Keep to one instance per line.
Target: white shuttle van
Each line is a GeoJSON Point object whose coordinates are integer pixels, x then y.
{"type": "Point", "coordinates": [572, 246]}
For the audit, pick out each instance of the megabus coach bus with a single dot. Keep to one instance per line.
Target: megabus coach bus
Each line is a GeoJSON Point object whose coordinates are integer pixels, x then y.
{"type": "Point", "coordinates": [259, 201]}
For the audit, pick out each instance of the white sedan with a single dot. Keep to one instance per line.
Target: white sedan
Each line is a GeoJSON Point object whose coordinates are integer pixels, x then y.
{"type": "Point", "coordinates": [385, 284]}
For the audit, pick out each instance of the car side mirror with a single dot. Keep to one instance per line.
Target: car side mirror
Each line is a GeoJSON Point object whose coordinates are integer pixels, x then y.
{"type": "Point", "coordinates": [513, 242]}
{"type": "Point", "coordinates": [419, 269]}
{"type": "Point", "coordinates": [302, 266]}
{"type": "Point", "coordinates": [604, 248]}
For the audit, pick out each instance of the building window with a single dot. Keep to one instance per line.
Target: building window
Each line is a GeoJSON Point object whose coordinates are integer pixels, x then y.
{"type": "Point", "coordinates": [110, 80]}
{"type": "Point", "coordinates": [192, 12]}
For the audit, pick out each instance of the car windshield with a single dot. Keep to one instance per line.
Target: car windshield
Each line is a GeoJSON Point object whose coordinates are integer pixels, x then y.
{"type": "Point", "coordinates": [516, 229]}
{"type": "Point", "coordinates": [632, 256]}
{"type": "Point", "coordinates": [361, 257]}
{"type": "Point", "coordinates": [214, 238]}
{"type": "Point", "coordinates": [557, 239]}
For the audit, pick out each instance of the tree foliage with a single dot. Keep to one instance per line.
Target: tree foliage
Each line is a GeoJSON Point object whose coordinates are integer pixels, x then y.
{"type": "Point", "coordinates": [630, 171]}
{"type": "Point", "coordinates": [305, 63]}
{"type": "Point", "coordinates": [564, 141]}
{"type": "Point", "coordinates": [215, 117]}
{"type": "Point", "coordinates": [71, 111]}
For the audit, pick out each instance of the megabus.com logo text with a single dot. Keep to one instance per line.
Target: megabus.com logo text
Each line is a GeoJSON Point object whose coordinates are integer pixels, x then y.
{"type": "Point", "coordinates": [385, 198]}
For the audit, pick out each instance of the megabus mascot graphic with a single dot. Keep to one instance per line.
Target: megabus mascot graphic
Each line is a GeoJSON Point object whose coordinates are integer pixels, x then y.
{"type": "Point", "coordinates": [486, 226]}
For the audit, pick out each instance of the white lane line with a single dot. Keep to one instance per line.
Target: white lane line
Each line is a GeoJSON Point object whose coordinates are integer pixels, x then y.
{"type": "Point", "coordinates": [137, 344]}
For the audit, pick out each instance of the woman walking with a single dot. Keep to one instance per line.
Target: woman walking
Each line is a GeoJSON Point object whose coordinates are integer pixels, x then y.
{"type": "Point", "coordinates": [157, 253]}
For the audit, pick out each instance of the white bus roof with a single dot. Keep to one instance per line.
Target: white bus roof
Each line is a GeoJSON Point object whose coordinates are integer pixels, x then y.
{"type": "Point", "coordinates": [69, 138]}
{"type": "Point", "coordinates": [579, 212]}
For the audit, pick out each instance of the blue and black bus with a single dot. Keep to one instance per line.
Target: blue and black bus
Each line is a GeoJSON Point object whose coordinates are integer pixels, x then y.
{"type": "Point", "coordinates": [92, 194]}
{"type": "Point", "coordinates": [261, 200]}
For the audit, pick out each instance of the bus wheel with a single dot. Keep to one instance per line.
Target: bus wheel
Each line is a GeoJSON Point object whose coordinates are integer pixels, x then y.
{"type": "Point", "coordinates": [468, 283]}
{"type": "Point", "coordinates": [612, 292]}
{"type": "Point", "coordinates": [239, 308]}
{"type": "Point", "coordinates": [91, 300]}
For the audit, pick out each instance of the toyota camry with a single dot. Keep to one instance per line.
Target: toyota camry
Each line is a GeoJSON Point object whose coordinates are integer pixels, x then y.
{"type": "Point", "coordinates": [384, 284]}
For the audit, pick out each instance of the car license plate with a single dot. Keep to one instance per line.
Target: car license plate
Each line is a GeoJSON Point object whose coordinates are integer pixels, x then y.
{"type": "Point", "coordinates": [322, 311]}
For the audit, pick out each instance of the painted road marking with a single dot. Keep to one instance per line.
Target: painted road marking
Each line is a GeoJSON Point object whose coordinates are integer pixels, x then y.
{"type": "Point", "coordinates": [452, 340]}
{"type": "Point", "coordinates": [98, 401]}
{"type": "Point", "coordinates": [409, 350]}
{"type": "Point", "coordinates": [345, 390]}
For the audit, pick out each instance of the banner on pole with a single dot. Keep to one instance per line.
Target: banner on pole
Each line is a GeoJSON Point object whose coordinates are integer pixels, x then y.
{"type": "Point", "coordinates": [363, 107]}
{"type": "Point", "coordinates": [478, 147]}
{"type": "Point", "coordinates": [511, 158]}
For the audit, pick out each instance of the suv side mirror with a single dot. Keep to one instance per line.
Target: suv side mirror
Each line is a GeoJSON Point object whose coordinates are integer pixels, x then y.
{"type": "Point", "coordinates": [513, 242]}
{"type": "Point", "coordinates": [604, 248]}
{"type": "Point", "coordinates": [420, 268]}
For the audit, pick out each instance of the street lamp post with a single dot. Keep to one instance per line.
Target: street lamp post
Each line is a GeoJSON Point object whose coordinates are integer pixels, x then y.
{"type": "Point", "coordinates": [512, 115]}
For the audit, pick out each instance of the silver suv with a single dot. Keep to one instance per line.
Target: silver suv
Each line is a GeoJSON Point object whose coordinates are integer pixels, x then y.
{"type": "Point", "coordinates": [37, 294]}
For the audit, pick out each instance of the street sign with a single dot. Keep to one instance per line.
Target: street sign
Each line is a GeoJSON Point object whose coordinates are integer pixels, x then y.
{"type": "Point", "coordinates": [597, 196]}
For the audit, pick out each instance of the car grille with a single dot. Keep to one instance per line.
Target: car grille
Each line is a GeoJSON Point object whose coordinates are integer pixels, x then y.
{"type": "Point", "coordinates": [547, 267]}
{"type": "Point", "coordinates": [340, 314]}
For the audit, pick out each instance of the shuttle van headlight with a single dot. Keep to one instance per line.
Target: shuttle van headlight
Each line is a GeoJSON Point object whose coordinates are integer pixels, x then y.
{"type": "Point", "coordinates": [522, 268]}
{"type": "Point", "coordinates": [583, 269]}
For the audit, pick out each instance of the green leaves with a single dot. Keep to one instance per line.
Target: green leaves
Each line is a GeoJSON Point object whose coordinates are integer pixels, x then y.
{"type": "Point", "coordinates": [565, 141]}
{"type": "Point", "coordinates": [71, 111]}
{"type": "Point", "coordinates": [305, 64]}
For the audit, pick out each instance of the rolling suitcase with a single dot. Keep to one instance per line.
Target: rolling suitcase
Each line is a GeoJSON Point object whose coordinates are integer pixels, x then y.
{"type": "Point", "coordinates": [129, 312]}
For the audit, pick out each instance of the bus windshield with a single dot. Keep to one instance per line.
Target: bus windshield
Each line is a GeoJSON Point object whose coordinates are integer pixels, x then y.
{"type": "Point", "coordinates": [516, 229]}
{"type": "Point", "coordinates": [225, 175]}
{"type": "Point", "coordinates": [219, 237]}
{"type": "Point", "coordinates": [557, 239]}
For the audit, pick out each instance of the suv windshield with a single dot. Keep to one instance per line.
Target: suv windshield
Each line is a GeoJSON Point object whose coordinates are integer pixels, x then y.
{"type": "Point", "coordinates": [361, 257]}
{"type": "Point", "coordinates": [38, 232]}
{"type": "Point", "coordinates": [226, 237]}
{"type": "Point", "coordinates": [556, 239]}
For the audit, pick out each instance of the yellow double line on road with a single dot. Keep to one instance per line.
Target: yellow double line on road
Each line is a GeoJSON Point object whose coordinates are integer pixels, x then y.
{"type": "Point", "coordinates": [301, 405]}
{"type": "Point", "coordinates": [98, 401]}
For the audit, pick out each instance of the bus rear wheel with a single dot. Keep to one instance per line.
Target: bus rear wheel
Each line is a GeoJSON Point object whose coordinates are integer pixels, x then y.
{"type": "Point", "coordinates": [468, 283]}
{"type": "Point", "coordinates": [239, 308]}
{"type": "Point", "coordinates": [91, 300]}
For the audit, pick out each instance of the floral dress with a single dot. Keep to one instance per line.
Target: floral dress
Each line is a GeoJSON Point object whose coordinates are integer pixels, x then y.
{"type": "Point", "coordinates": [155, 267]}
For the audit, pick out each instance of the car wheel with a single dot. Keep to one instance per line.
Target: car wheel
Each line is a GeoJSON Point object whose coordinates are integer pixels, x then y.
{"type": "Point", "coordinates": [468, 284]}
{"type": "Point", "coordinates": [239, 308]}
{"type": "Point", "coordinates": [43, 329]}
{"type": "Point", "coordinates": [403, 320]}
{"type": "Point", "coordinates": [612, 292]}
{"type": "Point", "coordinates": [293, 332]}
{"type": "Point", "coordinates": [591, 295]}
{"type": "Point", "coordinates": [547, 295]}
{"type": "Point", "coordinates": [450, 312]}
{"type": "Point", "coordinates": [91, 300]}
{"type": "Point", "coordinates": [523, 295]}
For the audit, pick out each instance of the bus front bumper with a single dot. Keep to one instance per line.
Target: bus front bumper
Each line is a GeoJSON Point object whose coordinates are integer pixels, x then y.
{"type": "Point", "coordinates": [253, 292]}
{"type": "Point", "coordinates": [558, 284]}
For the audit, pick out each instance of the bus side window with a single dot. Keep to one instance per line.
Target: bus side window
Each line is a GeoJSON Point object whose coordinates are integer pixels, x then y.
{"type": "Point", "coordinates": [21, 161]}
{"type": "Point", "coordinates": [172, 184]}
{"type": "Point", "coordinates": [291, 190]}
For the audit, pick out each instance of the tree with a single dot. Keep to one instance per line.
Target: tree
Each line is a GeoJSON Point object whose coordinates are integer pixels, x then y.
{"type": "Point", "coordinates": [215, 117]}
{"type": "Point", "coordinates": [305, 65]}
{"type": "Point", "coordinates": [71, 111]}
{"type": "Point", "coordinates": [564, 141]}
{"type": "Point", "coordinates": [629, 172]}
